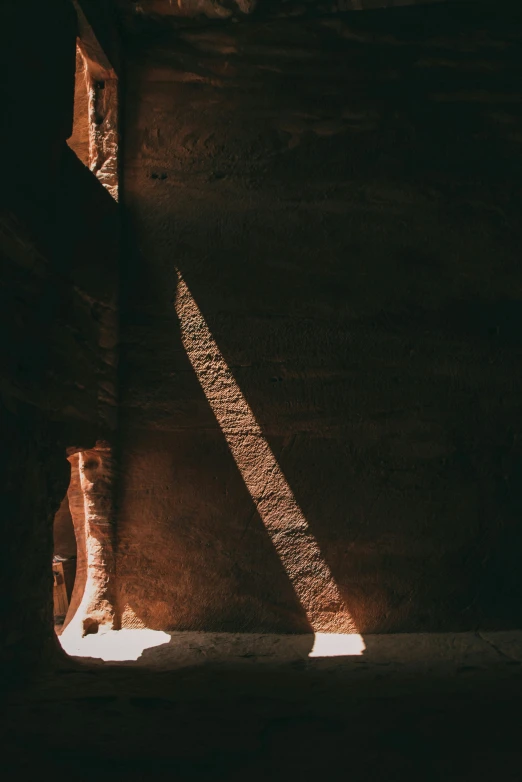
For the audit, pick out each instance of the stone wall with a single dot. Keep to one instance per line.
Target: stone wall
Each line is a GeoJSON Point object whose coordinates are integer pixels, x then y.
{"type": "Point", "coordinates": [59, 251]}
{"type": "Point", "coordinates": [322, 328]}
{"type": "Point", "coordinates": [340, 197]}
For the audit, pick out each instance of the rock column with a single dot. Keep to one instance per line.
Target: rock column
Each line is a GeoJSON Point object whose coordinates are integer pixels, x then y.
{"type": "Point", "coordinates": [91, 501]}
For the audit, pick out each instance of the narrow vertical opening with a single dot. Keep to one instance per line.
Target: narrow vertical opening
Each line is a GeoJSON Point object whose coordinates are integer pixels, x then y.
{"type": "Point", "coordinates": [64, 563]}
{"type": "Point", "coordinates": [79, 140]}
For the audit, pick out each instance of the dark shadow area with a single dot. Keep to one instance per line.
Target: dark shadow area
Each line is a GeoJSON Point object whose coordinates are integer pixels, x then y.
{"type": "Point", "coordinates": [359, 277]}
{"type": "Point", "coordinates": [353, 246]}
{"type": "Point", "coordinates": [64, 562]}
{"type": "Point", "coordinates": [184, 511]}
{"type": "Point", "coordinates": [59, 281]}
{"type": "Point", "coordinates": [235, 721]}
{"type": "Point", "coordinates": [344, 209]}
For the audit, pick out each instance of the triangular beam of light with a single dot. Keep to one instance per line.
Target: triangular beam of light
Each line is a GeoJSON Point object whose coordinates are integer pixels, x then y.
{"type": "Point", "coordinates": [282, 517]}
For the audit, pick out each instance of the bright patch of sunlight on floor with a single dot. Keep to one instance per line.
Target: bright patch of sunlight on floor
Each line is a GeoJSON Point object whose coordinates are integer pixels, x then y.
{"type": "Point", "coordinates": [115, 645]}
{"type": "Point", "coordinates": [188, 648]}
{"type": "Point", "coordinates": [337, 645]}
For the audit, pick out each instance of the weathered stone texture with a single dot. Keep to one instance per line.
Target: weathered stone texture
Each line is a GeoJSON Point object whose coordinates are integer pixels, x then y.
{"type": "Point", "coordinates": [79, 139]}
{"type": "Point", "coordinates": [91, 502]}
{"type": "Point", "coordinates": [238, 9]}
{"type": "Point", "coordinates": [341, 198]}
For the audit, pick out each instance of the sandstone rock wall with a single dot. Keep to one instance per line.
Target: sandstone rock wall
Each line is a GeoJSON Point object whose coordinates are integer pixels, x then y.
{"type": "Point", "coordinates": [58, 247]}
{"type": "Point", "coordinates": [341, 198]}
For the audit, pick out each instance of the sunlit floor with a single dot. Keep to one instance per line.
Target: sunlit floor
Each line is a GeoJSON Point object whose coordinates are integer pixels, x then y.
{"type": "Point", "coordinates": [222, 706]}
{"type": "Point", "coordinates": [173, 649]}
{"type": "Point", "coordinates": [155, 648]}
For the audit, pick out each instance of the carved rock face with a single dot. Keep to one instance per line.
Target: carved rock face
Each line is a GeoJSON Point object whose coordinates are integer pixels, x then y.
{"type": "Point", "coordinates": [90, 501]}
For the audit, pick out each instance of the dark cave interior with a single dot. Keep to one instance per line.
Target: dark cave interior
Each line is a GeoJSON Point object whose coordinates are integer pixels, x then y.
{"type": "Point", "coordinates": [261, 373]}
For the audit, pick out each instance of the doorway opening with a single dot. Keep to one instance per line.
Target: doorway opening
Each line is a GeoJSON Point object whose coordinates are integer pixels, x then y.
{"type": "Point", "coordinates": [64, 563]}
{"type": "Point", "coordinates": [69, 551]}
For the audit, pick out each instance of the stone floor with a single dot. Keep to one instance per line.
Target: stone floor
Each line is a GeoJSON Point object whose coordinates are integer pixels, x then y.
{"type": "Point", "coordinates": [207, 706]}
{"type": "Point", "coordinates": [420, 651]}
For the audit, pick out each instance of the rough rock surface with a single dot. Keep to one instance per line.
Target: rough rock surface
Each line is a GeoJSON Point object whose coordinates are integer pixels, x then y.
{"type": "Point", "coordinates": [78, 141]}
{"type": "Point", "coordinates": [166, 10]}
{"type": "Point", "coordinates": [341, 198]}
{"type": "Point", "coordinates": [340, 195]}
{"type": "Point", "coordinates": [431, 707]}
{"type": "Point", "coordinates": [95, 134]}
{"type": "Point", "coordinates": [90, 494]}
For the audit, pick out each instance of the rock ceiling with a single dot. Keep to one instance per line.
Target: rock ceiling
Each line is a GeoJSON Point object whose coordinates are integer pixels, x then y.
{"type": "Point", "coordinates": [170, 10]}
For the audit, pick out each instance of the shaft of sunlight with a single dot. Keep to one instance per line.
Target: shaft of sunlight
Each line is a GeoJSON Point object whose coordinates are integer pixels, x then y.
{"type": "Point", "coordinates": [282, 517]}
